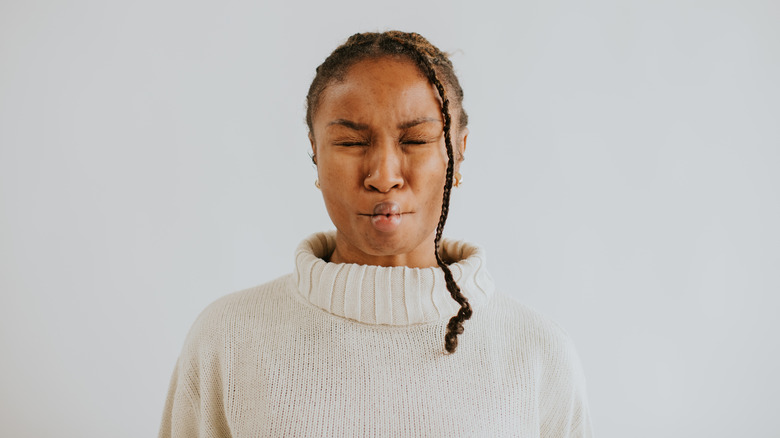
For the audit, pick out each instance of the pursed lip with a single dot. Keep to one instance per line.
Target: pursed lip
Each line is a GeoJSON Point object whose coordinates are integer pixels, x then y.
{"type": "Point", "coordinates": [386, 208]}
{"type": "Point", "coordinates": [388, 214]}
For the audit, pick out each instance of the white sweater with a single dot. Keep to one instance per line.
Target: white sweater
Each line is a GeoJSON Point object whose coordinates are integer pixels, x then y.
{"type": "Point", "coordinates": [354, 350]}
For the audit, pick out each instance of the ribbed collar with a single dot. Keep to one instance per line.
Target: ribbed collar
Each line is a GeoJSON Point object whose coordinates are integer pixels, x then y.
{"type": "Point", "coordinates": [389, 295]}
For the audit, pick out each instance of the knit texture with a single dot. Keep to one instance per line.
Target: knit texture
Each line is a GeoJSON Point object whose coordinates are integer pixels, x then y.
{"type": "Point", "coordinates": [354, 350]}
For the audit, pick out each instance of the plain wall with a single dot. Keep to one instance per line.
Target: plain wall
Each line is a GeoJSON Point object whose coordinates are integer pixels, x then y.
{"type": "Point", "coordinates": [621, 172]}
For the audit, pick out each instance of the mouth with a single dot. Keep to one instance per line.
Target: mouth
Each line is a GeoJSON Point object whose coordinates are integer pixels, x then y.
{"type": "Point", "coordinates": [386, 209]}
{"type": "Point", "coordinates": [369, 215]}
{"type": "Point", "coordinates": [386, 216]}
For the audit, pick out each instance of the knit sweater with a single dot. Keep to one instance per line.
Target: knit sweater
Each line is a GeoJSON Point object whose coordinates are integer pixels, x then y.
{"type": "Point", "coordinates": [337, 350]}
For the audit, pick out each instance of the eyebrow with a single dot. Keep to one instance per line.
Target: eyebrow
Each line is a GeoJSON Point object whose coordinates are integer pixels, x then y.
{"type": "Point", "coordinates": [349, 124]}
{"type": "Point", "coordinates": [362, 127]}
{"type": "Point", "coordinates": [418, 121]}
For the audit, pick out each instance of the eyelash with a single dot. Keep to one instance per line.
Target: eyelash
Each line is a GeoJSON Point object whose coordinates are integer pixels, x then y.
{"type": "Point", "coordinates": [413, 142]}
{"type": "Point", "coordinates": [359, 143]}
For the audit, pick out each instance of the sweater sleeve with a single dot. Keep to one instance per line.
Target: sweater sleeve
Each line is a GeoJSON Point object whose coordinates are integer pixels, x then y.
{"type": "Point", "coordinates": [563, 400]}
{"type": "Point", "coordinates": [194, 407]}
{"type": "Point", "coordinates": [180, 416]}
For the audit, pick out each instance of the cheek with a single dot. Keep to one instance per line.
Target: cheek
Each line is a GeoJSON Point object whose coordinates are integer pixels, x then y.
{"type": "Point", "coordinates": [337, 184]}
{"type": "Point", "coordinates": [429, 183]}
{"type": "Point", "coordinates": [429, 169]}
{"type": "Point", "coordinates": [337, 205]}
{"type": "Point", "coordinates": [335, 172]}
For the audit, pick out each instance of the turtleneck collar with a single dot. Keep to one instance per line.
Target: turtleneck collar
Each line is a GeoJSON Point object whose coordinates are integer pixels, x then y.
{"type": "Point", "coordinates": [389, 295]}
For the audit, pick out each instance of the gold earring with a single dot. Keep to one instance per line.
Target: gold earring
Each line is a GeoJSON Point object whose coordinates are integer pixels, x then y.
{"type": "Point", "coordinates": [317, 183]}
{"type": "Point", "coordinates": [458, 179]}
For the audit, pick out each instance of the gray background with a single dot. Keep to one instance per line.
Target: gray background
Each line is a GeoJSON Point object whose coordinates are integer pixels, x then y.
{"type": "Point", "coordinates": [622, 174]}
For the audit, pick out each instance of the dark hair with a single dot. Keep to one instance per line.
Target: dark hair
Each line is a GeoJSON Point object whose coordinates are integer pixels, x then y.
{"type": "Point", "coordinates": [437, 67]}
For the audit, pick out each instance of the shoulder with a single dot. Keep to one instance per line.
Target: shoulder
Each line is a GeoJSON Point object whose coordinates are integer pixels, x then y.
{"type": "Point", "coordinates": [527, 324]}
{"type": "Point", "coordinates": [535, 337]}
{"type": "Point", "coordinates": [235, 313]}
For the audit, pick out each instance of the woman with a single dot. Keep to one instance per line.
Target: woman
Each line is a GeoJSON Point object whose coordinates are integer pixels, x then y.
{"type": "Point", "coordinates": [383, 329]}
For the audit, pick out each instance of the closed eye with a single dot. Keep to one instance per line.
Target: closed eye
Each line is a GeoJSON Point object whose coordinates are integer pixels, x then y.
{"type": "Point", "coordinates": [351, 143]}
{"type": "Point", "coordinates": [413, 140]}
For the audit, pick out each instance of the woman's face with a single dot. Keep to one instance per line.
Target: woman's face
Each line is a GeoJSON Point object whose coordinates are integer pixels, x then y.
{"type": "Point", "coordinates": [381, 162]}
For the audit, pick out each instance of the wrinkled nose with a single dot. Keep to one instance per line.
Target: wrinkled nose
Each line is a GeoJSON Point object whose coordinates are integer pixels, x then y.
{"type": "Point", "coordinates": [384, 167]}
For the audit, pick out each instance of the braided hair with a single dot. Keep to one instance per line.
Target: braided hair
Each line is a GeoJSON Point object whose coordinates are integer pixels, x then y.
{"type": "Point", "coordinates": [438, 69]}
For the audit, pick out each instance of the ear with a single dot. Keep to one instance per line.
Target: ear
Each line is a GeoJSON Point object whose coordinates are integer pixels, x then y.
{"type": "Point", "coordinates": [460, 146]}
{"type": "Point", "coordinates": [313, 148]}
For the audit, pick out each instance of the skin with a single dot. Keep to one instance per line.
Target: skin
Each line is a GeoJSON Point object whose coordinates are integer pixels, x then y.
{"type": "Point", "coordinates": [378, 136]}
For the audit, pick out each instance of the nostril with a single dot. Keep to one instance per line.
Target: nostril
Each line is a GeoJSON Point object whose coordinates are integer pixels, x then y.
{"type": "Point", "coordinates": [383, 180]}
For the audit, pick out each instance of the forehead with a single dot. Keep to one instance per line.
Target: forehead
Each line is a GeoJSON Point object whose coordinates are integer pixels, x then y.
{"type": "Point", "coordinates": [386, 69]}
{"type": "Point", "coordinates": [387, 87]}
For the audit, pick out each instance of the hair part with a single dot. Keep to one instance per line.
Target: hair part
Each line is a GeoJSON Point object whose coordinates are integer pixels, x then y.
{"type": "Point", "coordinates": [437, 68]}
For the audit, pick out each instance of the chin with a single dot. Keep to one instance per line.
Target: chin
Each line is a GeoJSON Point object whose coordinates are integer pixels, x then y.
{"type": "Point", "coordinates": [388, 244]}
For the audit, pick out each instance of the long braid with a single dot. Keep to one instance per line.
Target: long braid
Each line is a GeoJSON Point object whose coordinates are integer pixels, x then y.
{"type": "Point", "coordinates": [426, 56]}
{"type": "Point", "coordinates": [455, 325]}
